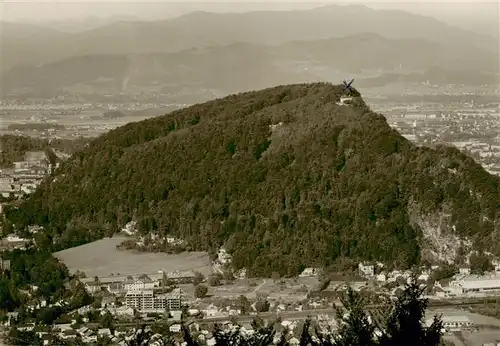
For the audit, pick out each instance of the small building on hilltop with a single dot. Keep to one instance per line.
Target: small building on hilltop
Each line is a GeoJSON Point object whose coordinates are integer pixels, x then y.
{"type": "Point", "coordinates": [345, 100]}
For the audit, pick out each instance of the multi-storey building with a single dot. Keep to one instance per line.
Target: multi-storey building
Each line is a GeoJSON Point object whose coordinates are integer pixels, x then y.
{"type": "Point", "coordinates": [173, 300]}
{"type": "Point", "coordinates": [146, 300]}
{"type": "Point", "coordinates": [140, 300]}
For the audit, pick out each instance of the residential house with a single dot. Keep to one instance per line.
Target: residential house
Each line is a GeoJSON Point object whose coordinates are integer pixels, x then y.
{"type": "Point", "coordinates": [464, 271]}
{"type": "Point", "coordinates": [309, 272]}
{"type": "Point", "coordinates": [93, 286]}
{"type": "Point", "coordinates": [130, 228]}
{"type": "Point", "coordinates": [247, 329]}
{"type": "Point", "coordinates": [115, 287]}
{"type": "Point", "coordinates": [423, 277]}
{"type": "Point", "coordinates": [366, 269]}
{"type": "Point", "coordinates": [143, 282]}
{"type": "Point", "coordinates": [241, 274]}
{"type": "Point", "coordinates": [211, 311]}
{"type": "Point", "coordinates": [104, 332]}
{"type": "Point", "coordinates": [175, 328]}
{"type": "Point", "coordinates": [496, 265]}
{"type": "Point", "coordinates": [223, 256]}
{"type": "Point", "coordinates": [36, 158]}
{"type": "Point", "coordinates": [11, 318]}
{"type": "Point", "coordinates": [176, 315]}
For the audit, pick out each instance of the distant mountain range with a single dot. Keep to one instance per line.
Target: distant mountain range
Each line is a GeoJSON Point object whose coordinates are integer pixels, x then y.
{"type": "Point", "coordinates": [434, 76]}
{"type": "Point", "coordinates": [245, 66]}
{"type": "Point", "coordinates": [83, 24]}
{"type": "Point", "coordinates": [27, 44]}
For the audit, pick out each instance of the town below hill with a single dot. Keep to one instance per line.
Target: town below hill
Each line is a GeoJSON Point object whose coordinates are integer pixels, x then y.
{"type": "Point", "coordinates": [113, 304]}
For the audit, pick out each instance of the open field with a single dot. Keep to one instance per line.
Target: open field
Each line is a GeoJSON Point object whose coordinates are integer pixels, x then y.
{"type": "Point", "coordinates": [289, 290]}
{"type": "Point", "coordinates": [101, 258]}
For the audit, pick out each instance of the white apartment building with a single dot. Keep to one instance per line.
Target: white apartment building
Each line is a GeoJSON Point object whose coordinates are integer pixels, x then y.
{"type": "Point", "coordinates": [146, 300]}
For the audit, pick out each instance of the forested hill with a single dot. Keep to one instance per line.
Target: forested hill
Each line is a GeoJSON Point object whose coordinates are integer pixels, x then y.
{"type": "Point", "coordinates": [284, 177]}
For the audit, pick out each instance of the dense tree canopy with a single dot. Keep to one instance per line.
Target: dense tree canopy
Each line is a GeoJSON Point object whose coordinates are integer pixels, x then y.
{"type": "Point", "coordinates": [38, 272]}
{"type": "Point", "coordinates": [284, 177]}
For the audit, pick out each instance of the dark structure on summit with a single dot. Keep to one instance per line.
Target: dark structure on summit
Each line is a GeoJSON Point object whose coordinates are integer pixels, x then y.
{"type": "Point", "coordinates": [347, 86]}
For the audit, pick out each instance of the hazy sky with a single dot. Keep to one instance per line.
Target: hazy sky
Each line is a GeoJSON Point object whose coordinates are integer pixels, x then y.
{"type": "Point", "coordinates": [42, 10]}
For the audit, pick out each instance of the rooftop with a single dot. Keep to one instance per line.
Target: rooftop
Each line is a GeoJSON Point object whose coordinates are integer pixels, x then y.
{"type": "Point", "coordinates": [456, 319]}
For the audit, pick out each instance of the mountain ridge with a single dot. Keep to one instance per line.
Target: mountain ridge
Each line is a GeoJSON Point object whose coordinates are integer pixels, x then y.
{"type": "Point", "coordinates": [284, 177]}
{"type": "Point", "coordinates": [271, 27]}
{"type": "Point", "coordinates": [242, 66]}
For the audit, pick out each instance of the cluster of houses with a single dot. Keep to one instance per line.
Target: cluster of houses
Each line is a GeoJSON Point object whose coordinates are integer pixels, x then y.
{"type": "Point", "coordinates": [13, 241]}
{"type": "Point", "coordinates": [151, 239]}
{"type": "Point", "coordinates": [66, 332]}
{"type": "Point", "coordinates": [462, 284]}
{"type": "Point", "coordinates": [70, 331]}
{"type": "Point", "coordinates": [25, 176]}
{"type": "Point", "coordinates": [368, 270]}
{"type": "Point", "coordinates": [202, 332]}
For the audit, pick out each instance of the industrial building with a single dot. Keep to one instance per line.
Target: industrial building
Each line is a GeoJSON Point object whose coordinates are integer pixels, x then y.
{"type": "Point", "coordinates": [476, 284]}
{"type": "Point", "coordinates": [453, 323]}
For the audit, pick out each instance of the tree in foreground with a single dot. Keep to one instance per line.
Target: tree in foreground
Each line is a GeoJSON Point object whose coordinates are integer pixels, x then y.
{"type": "Point", "coordinates": [406, 322]}
{"type": "Point", "coordinates": [354, 326]}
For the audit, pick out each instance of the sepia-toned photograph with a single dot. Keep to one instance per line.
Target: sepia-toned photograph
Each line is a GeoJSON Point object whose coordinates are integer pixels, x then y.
{"type": "Point", "coordinates": [250, 173]}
